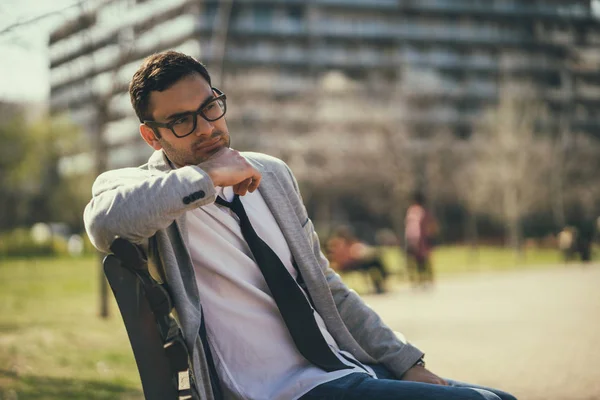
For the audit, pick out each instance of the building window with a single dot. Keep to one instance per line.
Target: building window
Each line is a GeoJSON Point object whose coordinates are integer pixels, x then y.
{"type": "Point", "coordinates": [263, 16]}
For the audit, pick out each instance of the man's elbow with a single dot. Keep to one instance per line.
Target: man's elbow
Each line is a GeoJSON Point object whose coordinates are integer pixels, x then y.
{"type": "Point", "coordinates": [103, 228]}
{"type": "Point", "coordinates": [97, 230]}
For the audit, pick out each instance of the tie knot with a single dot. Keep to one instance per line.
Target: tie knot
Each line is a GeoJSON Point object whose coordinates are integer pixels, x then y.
{"type": "Point", "coordinates": [233, 205]}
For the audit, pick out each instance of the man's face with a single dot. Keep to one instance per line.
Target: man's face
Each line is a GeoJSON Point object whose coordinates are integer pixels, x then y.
{"type": "Point", "coordinates": [186, 95]}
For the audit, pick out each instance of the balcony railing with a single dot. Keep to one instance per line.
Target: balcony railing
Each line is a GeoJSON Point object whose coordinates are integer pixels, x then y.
{"type": "Point", "coordinates": [97, 35]}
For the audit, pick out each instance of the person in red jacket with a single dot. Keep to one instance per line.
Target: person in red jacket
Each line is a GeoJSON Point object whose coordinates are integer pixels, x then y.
{"type": "Point", "coordinates": [420, 228]}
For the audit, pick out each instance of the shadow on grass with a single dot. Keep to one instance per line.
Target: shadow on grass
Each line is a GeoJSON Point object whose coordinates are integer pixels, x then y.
{"type": "Point", "coordinates": [50, 388]}
{"type": "Point", "coordinates": [6, 327]}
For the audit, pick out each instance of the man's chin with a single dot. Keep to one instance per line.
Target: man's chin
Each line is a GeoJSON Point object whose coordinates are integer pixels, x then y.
{"type": "Point", "coordinates": [201, 156]}
{"type": "Point", "coordinates": [208, 153]}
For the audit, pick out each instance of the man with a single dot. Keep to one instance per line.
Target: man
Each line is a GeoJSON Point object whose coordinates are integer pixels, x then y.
{"type": "Point", "coordinates": [218, 242]}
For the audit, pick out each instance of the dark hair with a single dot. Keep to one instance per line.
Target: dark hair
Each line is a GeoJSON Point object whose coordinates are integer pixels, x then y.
{"type": "Point", "coordinates": [159, 72]}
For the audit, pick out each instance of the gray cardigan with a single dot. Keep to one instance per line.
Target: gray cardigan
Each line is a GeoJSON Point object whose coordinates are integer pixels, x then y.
{"type": "Point", "coordinates": [147, 206]}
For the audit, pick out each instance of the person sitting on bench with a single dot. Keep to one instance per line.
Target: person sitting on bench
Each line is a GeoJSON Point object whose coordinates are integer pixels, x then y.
{"type": "Point", "coordinates": [346, 253]}
{"type": "Point", "coordinates": [231, 235]}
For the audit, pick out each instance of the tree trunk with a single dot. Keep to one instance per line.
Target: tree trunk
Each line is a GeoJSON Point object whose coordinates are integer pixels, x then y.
{"type": "Point", "coordinates": [512, 213]}
{"type": "Point", "coordinates": [473, 238]}
{"type": "Point", "coordinates": [515, 237]}
{"type": "Point", "coordinates": [557, 192]}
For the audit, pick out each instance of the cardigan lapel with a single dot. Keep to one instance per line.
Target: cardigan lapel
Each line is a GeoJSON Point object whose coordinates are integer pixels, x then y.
{"type": "Point", "coordinates": [280, 198]}
{"type": "Point", "coordinates": [177, 263]}
{"type": "Point", "coordinates": [159, 163]}
{"type": "Point", "coordinates": [277, 199]}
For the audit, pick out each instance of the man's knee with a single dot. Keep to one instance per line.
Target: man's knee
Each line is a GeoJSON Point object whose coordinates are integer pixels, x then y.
{"type": "Point", "coordinates": [487, 395]}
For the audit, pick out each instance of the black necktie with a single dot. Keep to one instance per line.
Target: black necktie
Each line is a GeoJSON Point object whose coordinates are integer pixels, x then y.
{"type": "Point", "coordinates": [291, 301]}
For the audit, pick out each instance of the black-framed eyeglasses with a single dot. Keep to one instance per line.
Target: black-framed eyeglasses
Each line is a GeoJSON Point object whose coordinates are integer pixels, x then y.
{"type": "Point", "coordinates": [185, 123]}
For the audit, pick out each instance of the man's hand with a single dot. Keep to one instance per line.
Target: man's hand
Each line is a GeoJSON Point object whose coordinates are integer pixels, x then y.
{"type": "Point", "coordinates": [228, 167]}
{"type": "Point", "coordinates": [421, 374]}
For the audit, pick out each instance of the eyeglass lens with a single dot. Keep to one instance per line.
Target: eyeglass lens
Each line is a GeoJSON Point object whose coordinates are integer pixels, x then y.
{"type": "Point", "coordinates": [211, 112]}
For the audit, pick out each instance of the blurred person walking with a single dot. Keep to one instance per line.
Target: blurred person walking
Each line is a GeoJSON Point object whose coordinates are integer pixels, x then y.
{"type": "Point", "coordinates": [231, 236]}
{"type": "Point", "coordinates": [420, 229]}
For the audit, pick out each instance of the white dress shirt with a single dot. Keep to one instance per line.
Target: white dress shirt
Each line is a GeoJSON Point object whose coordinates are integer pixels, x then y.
{"type": "Point", "coordinates": [253, 351]}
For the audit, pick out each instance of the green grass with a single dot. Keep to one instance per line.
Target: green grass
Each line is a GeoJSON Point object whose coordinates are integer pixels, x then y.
{"type": "Point", "coordinates": [53, 345]}
{"type": "Point", "coordinates": [465, 259]}
{"type": "Point", "coordinates": [451, 260]}
{"type": "Point", "coordinates": [459, 259]}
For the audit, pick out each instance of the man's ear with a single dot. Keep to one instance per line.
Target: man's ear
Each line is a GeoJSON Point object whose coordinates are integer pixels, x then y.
{"type": "Point", "coordinates": [150, 137]}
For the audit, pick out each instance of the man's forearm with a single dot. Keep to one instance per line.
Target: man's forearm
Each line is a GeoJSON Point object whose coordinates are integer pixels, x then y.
{"type": "Point", "coordinates": [134, 205]}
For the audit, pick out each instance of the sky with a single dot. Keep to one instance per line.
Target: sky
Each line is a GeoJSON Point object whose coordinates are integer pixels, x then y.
{"type": "Point", "coordinates": [24, 74]}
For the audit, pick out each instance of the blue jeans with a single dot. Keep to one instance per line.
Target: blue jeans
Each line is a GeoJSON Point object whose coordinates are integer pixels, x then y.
{"type": "Point", "coordinates": [358, 386]}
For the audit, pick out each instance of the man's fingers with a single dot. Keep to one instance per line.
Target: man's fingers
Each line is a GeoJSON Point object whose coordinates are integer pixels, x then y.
{"type": "Point", "coordinates": [242, 187]}
{"type": "Point", "coordinates": [439, 381]}
{"type": "Point", "coordinates": [248, 185]}
{"type": "Point", "coordinates": [255, 182]}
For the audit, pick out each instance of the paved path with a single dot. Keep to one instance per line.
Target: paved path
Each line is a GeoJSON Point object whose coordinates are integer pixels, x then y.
{"type": "Point", "coordinates": [535, 333]}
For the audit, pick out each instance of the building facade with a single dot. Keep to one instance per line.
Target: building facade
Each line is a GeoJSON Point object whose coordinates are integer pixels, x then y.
{"type": "Point", "coordinates": [319, 74]}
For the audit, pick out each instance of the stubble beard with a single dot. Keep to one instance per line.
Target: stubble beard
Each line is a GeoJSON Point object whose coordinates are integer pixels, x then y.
{"type": "Point", "coordinates": [181, 157]}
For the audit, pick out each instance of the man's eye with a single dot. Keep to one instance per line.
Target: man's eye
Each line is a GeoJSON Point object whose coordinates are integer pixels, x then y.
{"type": "Point", "coordinates": [182, 120]}
{"type": "Point", "coordinates": [209, 107]}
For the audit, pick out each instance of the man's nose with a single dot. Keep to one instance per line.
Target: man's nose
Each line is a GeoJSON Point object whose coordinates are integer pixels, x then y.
{"type": "Point", "coordinates": [203, 127]}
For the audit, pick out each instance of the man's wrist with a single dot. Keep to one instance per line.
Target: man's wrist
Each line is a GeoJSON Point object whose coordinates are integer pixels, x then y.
{"type": "Point", "coordinates": [213, 176]}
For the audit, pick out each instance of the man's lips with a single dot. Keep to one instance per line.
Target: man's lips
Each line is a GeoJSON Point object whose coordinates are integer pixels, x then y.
{"type": "Point", "coordinates": [209, 145]}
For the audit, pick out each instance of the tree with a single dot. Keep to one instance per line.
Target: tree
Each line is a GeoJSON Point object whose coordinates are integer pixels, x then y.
{"type": "Point", "coordinates": [33, 190]}
{"type": "Point", "coordinates": [511, 162]}
{"type": "Point", "coordinates": [13, 147]}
